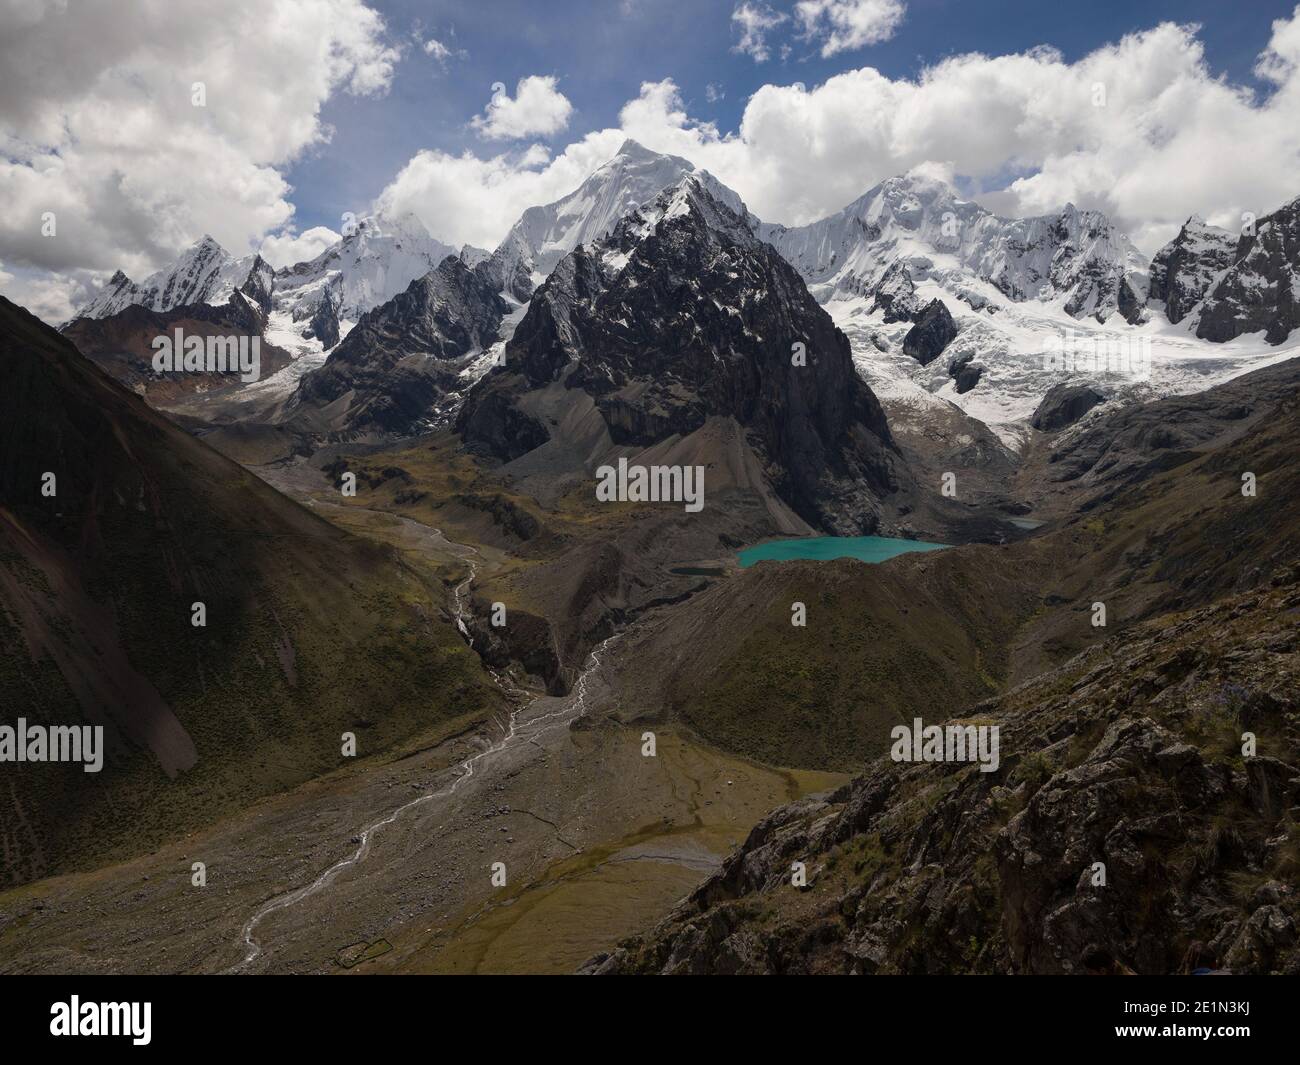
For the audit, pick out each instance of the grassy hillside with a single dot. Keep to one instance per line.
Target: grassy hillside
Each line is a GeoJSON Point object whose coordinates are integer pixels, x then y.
{"type": "Point", "coordinates": [929, 634]}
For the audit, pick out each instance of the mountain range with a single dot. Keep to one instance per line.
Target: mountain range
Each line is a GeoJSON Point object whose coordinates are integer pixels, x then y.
{"type": "Point", "coordinates": [1012, 288]}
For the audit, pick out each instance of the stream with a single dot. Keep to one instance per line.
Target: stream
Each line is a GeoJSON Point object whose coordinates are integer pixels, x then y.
{"type": "Point", "coordinates": [515, 733]}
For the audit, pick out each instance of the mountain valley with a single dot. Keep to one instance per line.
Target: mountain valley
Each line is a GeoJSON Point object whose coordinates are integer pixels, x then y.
{"type": "Point", "coordinates": [395, 536]}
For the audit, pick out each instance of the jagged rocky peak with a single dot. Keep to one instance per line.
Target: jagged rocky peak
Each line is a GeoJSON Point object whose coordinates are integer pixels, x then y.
{"type": "Point", "coordinates": [471, 255]}
{"type": "Point", "coordinates": [193, 277]}
{"type": "Point", "coordinates": [1185, 268]}
{"type": "Point", "coordinates": [1078, 254]}
{"type": "Point", "coordinates": [259, 286]}
{"type": "Point", "coordinates": [899, 216]}
{"type": "Point", "coordinates": [204, 273]}
{"type": "Point", "coordinates": [120, 292]}
{"type": "Point", "coordinates": [377, 258]}
{"type": "Point", "coordinates": [399, 369]}
{"type": "Point", "coordinates": [1260, 291]}
{"type": "Point", "coordinates": [681, 316]}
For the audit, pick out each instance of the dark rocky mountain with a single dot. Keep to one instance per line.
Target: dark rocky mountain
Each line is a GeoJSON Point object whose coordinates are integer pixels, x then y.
{"type": "Point", "coordinates": [259, 286]}
{"type": "Point", "coordinates": [1261, 289]}
{"type": "Point", "coordinates": [309, 630]}
{"type": "Point", "coordinates": [1185, 268]}
{"type": "Point", "coordinates": [324, 321]}
{"type": "Point", "coordinates": [682, 317]}
{"type": "Point", "coordinates": [401, 364]}
{"type": "Point", "coordinates": [933, 332]}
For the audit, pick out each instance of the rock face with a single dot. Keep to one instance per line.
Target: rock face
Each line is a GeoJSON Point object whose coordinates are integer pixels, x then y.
{"type": "Point", "coordinates": [934, 330]}
{"type": "Point", "coordinates": [1184, 269]}
{"type": "Point", "coordinates": [680, 317]}
{"type": "Point", "coordinates": [1124, 763]}
{"type": "Point", "coordinates": [1261, 290]}
{"type": "Point", "coordinates": [403, 359]}
{"type": "Point", "coordinates": [1064, 405]}
{"type": "Point", "coordinates": [324, 323]}
{"type": "Point", "coordinates": [259, 286]}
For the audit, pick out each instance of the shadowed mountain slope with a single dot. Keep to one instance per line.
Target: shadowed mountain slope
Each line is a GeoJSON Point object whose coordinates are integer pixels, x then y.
{"type": "Point", "coordinates": [309, 632]}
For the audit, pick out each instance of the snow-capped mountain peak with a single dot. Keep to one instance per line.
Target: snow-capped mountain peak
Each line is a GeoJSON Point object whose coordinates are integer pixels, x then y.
{"type": "Point", "coordinates": [544, 235]}
{"type": "Point", "coordinates": [377, 258]}
{"type": "Point", "coordinates": [920, 219]}
{"type": "Point", "coordinates": [203, 273]}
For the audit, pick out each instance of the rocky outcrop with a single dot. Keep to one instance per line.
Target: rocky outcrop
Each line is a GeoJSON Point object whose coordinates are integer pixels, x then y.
{"type": "Point", "coordinates": [1260, 292]}
{"type": "Point", "coordinates": [324, 324]}
{"type": "Point", "coordinates": [933, 332]}
{"type": "Point", "coordinates": [895, 295]}
{"type": "Point", "coordinates": [682, 316]}
{"type": "Point", "coordinates": [1064, 405]}
{"type": "Point", "coordinates": [964, 374]}
{"type": "Point", "coordinates": [1122, 825]}
{"type": "Point", "coordinates": [259, 286]}
{"type": "Point", "coordinates": [1185, 268]}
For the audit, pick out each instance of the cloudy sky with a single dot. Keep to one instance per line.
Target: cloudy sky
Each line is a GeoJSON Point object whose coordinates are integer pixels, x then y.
{"type": "Point", "coordinates": [143, 124]}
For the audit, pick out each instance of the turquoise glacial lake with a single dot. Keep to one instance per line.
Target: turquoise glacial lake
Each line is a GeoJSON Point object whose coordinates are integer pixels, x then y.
{"type": "Point", "coordinates": [863, 548]}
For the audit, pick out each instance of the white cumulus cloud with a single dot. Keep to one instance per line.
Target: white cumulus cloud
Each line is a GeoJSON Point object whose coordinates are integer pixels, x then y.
{"type": "Point", "coordinates": [845, 25]}
{"type": "Point", "coordinates": [1171, 138]}
{"type": "Point", "coordinates": [537, 108]}
{"type": "Point", "coordinates": [98, 123]}
{"type": "Point", "coordinates": [463, 199]}
{"type": "Point", "coordinates": [286, 248]}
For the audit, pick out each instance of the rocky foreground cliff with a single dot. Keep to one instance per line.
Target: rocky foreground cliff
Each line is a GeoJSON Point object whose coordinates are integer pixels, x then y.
{"type": "Point", "coordinates": [1129, 756]}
